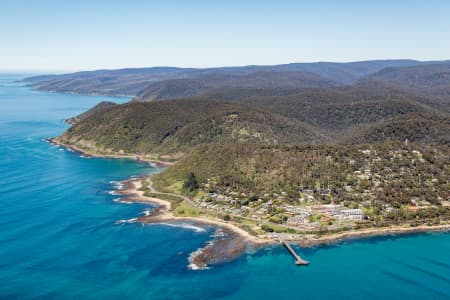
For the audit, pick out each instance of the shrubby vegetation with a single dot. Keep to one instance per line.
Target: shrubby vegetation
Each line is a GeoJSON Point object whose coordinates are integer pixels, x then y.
{"type": "Point", "coordinates": [383, 175]}
{"type": "Point", "coordinates": [415, 127]}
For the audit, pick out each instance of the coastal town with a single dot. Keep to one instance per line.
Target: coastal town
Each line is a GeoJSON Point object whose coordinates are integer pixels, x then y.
{"type": "Point", "coordinates": [307, 217]}
{"type": "Point", "coordinates": [355, 204]}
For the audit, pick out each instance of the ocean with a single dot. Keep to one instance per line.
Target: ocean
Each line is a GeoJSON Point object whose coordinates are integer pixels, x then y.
{"type": "Point", "coordinates": [61, 235]}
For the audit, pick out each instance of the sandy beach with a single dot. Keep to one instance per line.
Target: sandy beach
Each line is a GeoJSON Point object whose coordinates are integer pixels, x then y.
{"type": "Point", "coordinates": [132, 188]}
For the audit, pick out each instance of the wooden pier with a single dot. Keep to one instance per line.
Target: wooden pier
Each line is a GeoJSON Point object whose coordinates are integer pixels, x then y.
{"type": "Point", "coordinates": [298, 260]}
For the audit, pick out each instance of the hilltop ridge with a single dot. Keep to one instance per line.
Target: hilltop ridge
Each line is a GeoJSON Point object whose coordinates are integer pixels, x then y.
{"type": "Point", "coordinates": [130, 81]}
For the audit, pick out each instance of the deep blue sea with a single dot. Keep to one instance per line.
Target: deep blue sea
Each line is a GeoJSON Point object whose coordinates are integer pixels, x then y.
{"type": "Point", "coordinates": [59, 238]}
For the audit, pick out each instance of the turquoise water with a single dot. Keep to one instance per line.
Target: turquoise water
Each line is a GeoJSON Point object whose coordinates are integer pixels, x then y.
{"type": "Point", "coordinates": [59, 238]}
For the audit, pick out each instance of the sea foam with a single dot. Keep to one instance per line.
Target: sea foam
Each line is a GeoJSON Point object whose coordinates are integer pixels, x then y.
{"type": "Point", "coordinates": [132, 220]}
{"type": "Point", "coordinates": [119, 200]}
{"type": "Point", "coordinates": [186, 226]}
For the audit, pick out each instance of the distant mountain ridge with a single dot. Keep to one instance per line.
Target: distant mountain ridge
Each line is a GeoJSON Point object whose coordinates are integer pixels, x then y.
{"type": "Point", "coordinates": [130, 82]}
{"type": "Point", "coordinates": [431, 78]}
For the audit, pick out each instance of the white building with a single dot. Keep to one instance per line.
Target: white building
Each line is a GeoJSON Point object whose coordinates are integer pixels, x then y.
{"type": "Point", "coordinates": [351, 214]}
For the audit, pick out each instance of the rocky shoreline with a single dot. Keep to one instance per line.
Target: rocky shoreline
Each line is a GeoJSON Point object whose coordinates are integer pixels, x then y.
{"type": "Point", "coordinates": [234, 241]}
{"type": "Point", "coordinates": [155, 162]}
{"type": "Point", "coordinates": [228, 241]}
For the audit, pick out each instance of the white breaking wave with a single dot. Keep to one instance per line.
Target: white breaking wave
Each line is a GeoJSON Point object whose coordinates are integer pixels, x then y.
{"type": "Point", "coordinates": [117, 184]}
{"type": "Point", "coordinates": [146, 212]}
{"type": "Point", "coordinates": [186, 226]}
{"type": "Point", "coordinates": [218, 234]}
{"type": "Point", "coordinates": [132, 220]}
{"type": "Point", "coordinates": [119, 200]}
{"type": "Point", "coordinates": [192, 265]}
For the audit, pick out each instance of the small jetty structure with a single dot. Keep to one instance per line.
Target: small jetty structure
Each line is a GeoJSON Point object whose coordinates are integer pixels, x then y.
{"type": "Point", "coordinates": [298, 260]}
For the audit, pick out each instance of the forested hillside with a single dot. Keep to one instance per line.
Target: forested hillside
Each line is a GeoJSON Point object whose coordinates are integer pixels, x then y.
{"type": "Point", "coordinates": [388, 173]}
{"type": "Point", "coordinates": [414, 127]}
{"type": "Point", "coordinates": [176, 126]}
{"type": "Point", "coordinates": [179, 88]}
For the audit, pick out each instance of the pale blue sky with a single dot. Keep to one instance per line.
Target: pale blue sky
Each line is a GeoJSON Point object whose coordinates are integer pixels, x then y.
{"type": "Point", "coordinates": [63, 35]}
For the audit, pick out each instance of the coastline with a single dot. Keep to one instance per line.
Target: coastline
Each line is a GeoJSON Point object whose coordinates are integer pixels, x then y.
{"type": "Point", "coordinates": [162, 214]}
{"type": "Point", "coordinates": [228, 242]}
{"type": "Point", "coordinates": [305, 240]}
{"type": "Point", "coordinates": [33, 86]}
{"type": "Point", "coordinates": [132, 189]}
{"type": "Point", "coordinates": [159, 163]}
{"type": "Point", "coordinates": [313, 241]}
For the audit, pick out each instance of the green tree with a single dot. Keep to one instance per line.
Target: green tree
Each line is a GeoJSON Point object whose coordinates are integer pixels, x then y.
{"type": "Point", "coordinates": [191, 183]}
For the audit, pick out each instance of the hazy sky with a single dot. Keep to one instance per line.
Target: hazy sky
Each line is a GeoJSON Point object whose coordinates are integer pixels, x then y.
{"type": "Point", "coordinates": [62, 35]}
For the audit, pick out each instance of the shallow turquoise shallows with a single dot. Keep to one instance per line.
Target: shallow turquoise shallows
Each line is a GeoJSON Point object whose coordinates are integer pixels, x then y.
{"type": "Point", "coordinates": [59, 238]}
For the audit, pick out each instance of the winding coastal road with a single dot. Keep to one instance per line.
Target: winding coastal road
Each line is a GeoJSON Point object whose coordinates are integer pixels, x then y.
{"type": "Point", "coordinates": [152, 189]}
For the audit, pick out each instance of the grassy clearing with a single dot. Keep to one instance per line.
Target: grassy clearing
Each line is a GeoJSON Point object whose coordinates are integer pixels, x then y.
{"type": "Point", "coordinates": [184, 209]}
{"type": "Point", "coordinates": [166, 187]}
{"type": "Point", "coordinates": [278, 228]}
